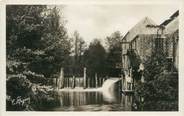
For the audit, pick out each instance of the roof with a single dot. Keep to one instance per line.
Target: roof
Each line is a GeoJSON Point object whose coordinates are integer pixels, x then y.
{"type": "Point", "coordinates": [172, 17]}
{"type": "Point", "coordinates": [173, 26]}
{"type": "Point", "coordinates": [173, 23]}
{"type": "Point", "coordinates": [141, 28]}
{"type": "Point", "coordinates": [176, 14]}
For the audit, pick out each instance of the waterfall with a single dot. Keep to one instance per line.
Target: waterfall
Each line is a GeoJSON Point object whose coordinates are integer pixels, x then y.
{"type": "Point", "coordinates": [109, 84]}
{"type": "Point", "coordinates": [108, 89]}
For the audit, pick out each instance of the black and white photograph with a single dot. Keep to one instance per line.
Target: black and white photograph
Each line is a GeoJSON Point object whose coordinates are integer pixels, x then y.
{"type": "Point", "coordinates": [92, 57]}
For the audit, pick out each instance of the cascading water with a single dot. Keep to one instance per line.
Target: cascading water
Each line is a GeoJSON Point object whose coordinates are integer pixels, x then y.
{"type": "Point", "coordinates": [106, 97]}
{"type": "Point", "coordinates": [108, 85]}
{"type": "Point", "coordinates": [108, 89]}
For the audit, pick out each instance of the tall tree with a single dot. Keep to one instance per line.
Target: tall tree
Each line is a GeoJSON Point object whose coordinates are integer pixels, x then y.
{"type": "Point", "coordinates": [37, 47]}
{"type": "Point", "coordinates": [94, 58]}
{"type": "Point", "coordinates": [78, 48]}
{"type": "Point", "coordinates": [113, 43]}
{"type": "Point", "coordinates": [36, 36]}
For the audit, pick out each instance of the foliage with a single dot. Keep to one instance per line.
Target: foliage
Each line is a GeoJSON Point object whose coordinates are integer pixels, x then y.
{"type": "Point", "coordinates": [94, 58]}
{"type": "Point", "coordinates": [76, 62]}
{"type": "Point", "coordinates": [114, 40]}
{"type": "Point", "coordinates": [28, 96]}
{"type": "Point", "coordinates": [18, 85]}
{"type": "Point", "coordinates": [160, 90]}
{"type": "Point", "coordinates": [37, 47]}
{"type": "Point", "coordinates": [135, 62]}
{"type": "Point", "coordinates": [35, 36]}
{"type": "Point", "coordinates": [113, 43]}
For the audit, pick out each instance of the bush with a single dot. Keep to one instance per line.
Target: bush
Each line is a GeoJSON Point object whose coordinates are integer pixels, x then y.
{"type": "Point", "coordinates": [160, 94]}
{"type": "Point", "coordinates": [24, 95]}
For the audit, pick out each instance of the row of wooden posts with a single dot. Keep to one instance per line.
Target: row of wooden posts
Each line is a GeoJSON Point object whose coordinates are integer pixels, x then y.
{"type": "Point", "coordinates": [72, 82]}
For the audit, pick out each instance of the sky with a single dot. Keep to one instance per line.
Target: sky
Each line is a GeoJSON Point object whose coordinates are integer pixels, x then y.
{"type": "Point", "coordinates": [99, 21]}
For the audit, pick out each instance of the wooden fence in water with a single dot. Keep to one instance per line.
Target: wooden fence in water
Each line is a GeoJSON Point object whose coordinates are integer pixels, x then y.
{"type": "Point", "coordinates": [78, 81]}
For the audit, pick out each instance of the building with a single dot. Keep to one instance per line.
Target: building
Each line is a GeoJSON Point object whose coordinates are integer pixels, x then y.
{"type": "Point", "coordinates": [172, 37]}
{"type": "Point", "coordinates": [144, 39]}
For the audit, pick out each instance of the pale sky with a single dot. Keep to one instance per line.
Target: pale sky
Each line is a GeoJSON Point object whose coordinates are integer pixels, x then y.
{"type": "Point", "coordinates": [99, 21]}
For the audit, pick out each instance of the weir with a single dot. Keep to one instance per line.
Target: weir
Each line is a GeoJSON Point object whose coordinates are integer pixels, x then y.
{"type": "Point", "coordinates": [108, 86]}
{"type": "Point", "coordinates": [88, 84]}
{"type": "Point", "coordinates": [78, 81]}
{"type": "Point", "coordinates": [73, 82]}
{"type": "Point", "coordinates": [109, 89]}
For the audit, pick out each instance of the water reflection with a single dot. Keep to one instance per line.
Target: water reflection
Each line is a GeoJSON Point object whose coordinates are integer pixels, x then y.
{"type": "Point", "coordinates": [79, 98]}
{"type": "Point", "coordinates": [93, 101]}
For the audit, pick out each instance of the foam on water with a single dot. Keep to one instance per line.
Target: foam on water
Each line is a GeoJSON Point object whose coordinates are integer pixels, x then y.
{"type": "Point", "coordinates": [106, 87]}
{"type": "Point", "coordinates": [80, 89]}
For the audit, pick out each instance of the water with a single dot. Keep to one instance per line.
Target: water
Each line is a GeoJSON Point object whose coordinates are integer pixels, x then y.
{"type": "Point", "coordinates": [106, 98]}
{"type": "Point", "coordinates": [91, 100]}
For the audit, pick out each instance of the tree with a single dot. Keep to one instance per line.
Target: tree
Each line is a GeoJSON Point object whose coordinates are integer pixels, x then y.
{"type": "Point", "coordinates": [114, 40]}
{"type": "Point", "coordinates": [35, 35]}
{"type": "Point", "coordinates": [76, 63]}
{"type": "Point", "coordinates": [160, 89]}
{"type": "Point", "coordinates": [95, 59]}
{"type": "Point", "coordinates": [79, 47]}
{"type": "Point", "coordinates": [37, 47]}
{"type": "Point", "coordinates": [56, 43]}
{"type": "Point", "coordinates": [113, 43]}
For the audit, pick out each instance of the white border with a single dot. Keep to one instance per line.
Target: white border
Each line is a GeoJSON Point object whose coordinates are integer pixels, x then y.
{"type": "Point", "coordinates": [91, 1]}
{"type": "Point", "coordinates": [3, 3]}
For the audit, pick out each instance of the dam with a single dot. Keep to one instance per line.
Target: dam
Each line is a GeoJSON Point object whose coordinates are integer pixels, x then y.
{"type": "Point", "coordinates": [108, 97]}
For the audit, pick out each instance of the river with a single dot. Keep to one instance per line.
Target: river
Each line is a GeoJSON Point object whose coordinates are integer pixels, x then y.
{"type": "Point", "coordinates": [92, 100]}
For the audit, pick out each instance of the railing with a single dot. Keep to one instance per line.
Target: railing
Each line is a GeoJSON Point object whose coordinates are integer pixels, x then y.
{"type": "Point", "coordinates": [132, 71]}
{"type": "Point", "coordinates": [134, 58]}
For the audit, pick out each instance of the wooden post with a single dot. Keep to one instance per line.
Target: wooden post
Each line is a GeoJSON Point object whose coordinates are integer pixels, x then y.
{"type": "Point", "coordinates": [88, 83]}
{"type": "Point", "coordinates": [73, 82]}
{"type": "Point", "coordinates": [70, 82]}
{"type": "Point", "coordinates": [100, 81]}
{"type": "Point", "coordinates": [67, 82]}
{"type": "Point", "coordinates": [84, 80]}
{"type": "Point", "coordinates": [96, 80]}
{"type": "Point", "coordinates": [61, 79]}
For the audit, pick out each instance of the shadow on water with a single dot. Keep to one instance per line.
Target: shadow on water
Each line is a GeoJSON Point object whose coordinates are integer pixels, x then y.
{"type": "Point", "coordinates": [92, 101]}
{"type": "Point", "coordinates": [106, 98]}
